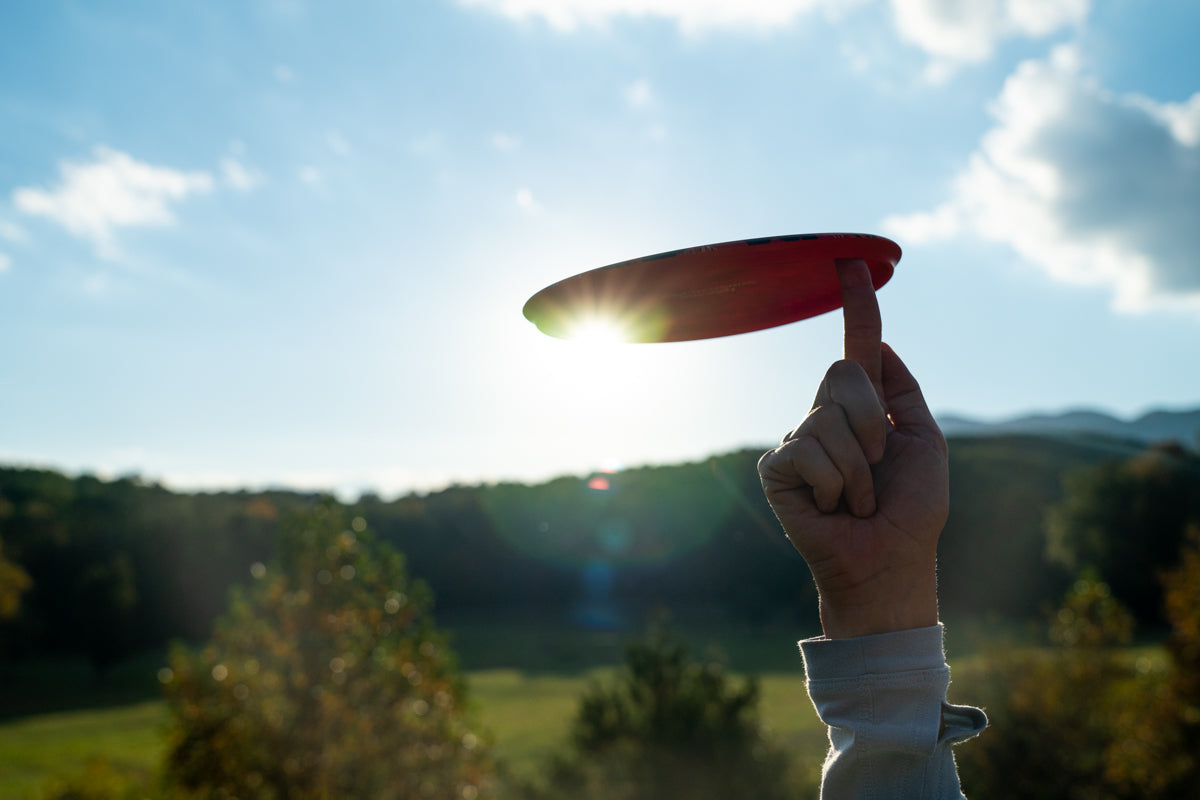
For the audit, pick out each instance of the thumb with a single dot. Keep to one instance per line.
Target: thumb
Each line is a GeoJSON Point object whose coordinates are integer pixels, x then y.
{"type": "Point", "coordinates": [905, 403]}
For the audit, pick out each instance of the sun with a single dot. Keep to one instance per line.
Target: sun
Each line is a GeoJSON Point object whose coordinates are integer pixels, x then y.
{"type": "Point", "coordinates": [597, 332]}
{"type": "Point", "coordinates": [595, 371]}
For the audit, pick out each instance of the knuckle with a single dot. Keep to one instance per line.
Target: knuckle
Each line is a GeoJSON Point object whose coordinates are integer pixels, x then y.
{"type": "Point", "coordinates": [821, 417]}
{"type": "Point", "coordinates": [843, 370]}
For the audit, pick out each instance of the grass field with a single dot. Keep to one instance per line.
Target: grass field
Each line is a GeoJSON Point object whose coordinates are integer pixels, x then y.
{"type": "Point", "coordinates": [35, 749]}
{"type": "Point", "coordinates": [527, 714]}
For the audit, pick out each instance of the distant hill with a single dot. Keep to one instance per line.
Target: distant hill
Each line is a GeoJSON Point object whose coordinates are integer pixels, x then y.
{"type": "Point", "coordinates": [1156, 426]}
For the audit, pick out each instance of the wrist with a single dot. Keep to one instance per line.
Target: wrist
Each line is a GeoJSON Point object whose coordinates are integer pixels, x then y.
{"type": "Point", "coordinates": [843, 618]}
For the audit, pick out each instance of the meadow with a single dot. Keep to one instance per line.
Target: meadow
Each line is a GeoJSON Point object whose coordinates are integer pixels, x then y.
{"type": "Point", "coordinates": [526, 711]}
{"type": "Point", "coordinates": [1046, 588]}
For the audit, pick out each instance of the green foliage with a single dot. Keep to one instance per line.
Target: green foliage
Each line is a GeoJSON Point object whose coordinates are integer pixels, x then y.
{"type": "Point", "coordinates": [993, 550]}
{"type": "Point", "coordinates": [668, 726]}
{"type": "Point", "coordinates": [1091, 617]}
{"type": "Point", "coordinates": [1160, 754]}
{"type": "Point", "coordinates": [327, 679]}
{"type": "Point", "coordinates": [1092, 720]}
{"type": "Point", "coordinates": [119, 566]}
{"type": "Point", "coordinates": [1183, 611]}
{"type": "Point", "coordinates": [1127, 520]}
{"type": "Point", "coordinates": [124, 565]}
{"type": "Point", "coordinates": [14, 582]}
{"type": "Point", "coordinates": [1051, 732]}
{"type": "Point", "coordinates": [101, 780]}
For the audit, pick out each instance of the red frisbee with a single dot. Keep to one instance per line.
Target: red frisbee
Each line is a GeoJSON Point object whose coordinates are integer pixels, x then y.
{"type": "Point", "coordinates": [714, 290]}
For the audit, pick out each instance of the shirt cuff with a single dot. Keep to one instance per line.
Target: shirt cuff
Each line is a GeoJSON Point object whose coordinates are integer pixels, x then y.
{"type": "Point", "coordinates": [893, 684]}
{"type": "Point", "coordinates": [880, 654]}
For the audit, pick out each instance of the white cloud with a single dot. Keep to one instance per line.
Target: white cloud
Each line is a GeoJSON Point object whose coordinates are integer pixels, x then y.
{"type": "Point", "coordinates": [428, 145]}
{"type": "Point", "coordinates": [5, 263]}
{"type": "Point", "coordinates": [309, 175]}
{"type": "Point", "coordinates": [113, 191]}
{"type": "Point", "coordinates": [952, 32]}
{"type": "Point", "coordinates": [526, 202]}
{"type": "Point", "coordinates": [505, 142]}
{"type": "Point", "coordinates": [237, 176]}
{"type": "Point", "coordinates": [97, 283]}
{"type": "Point", "coordinates": [11, 232]}
{"type": "Point", "coordinates": [338, 144]}
{"type": "Point", "coordinates": [639, 94]}
{"type": "Point", "coordinates": [283, 73]}
{"type": "Point", "coordinates": [1094, 188]}
{"type": "Point", "coordinates": [955, 33]}
{"type": "Point", "coordinates": [690, 15]}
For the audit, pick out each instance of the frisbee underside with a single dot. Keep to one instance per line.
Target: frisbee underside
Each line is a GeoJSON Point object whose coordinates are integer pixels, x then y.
{"type": "Point", "coordinates": [714, 290]}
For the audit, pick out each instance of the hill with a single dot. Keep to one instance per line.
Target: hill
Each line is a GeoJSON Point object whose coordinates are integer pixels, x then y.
{"type": "Point", "coordinates": [119, 565]}
{"type": "Point", "coordinates": [1179, 426]}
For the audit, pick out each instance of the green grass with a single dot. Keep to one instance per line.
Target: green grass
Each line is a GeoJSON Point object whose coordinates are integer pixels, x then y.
{"type": "Point", "coordinates": [528, 716]}
{"type": "Point", "coordinates": [525, 682]}
{"type": "Point", "coordinates": [35, 749]}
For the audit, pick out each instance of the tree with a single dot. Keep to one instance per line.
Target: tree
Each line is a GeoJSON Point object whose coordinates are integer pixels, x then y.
{"type": "Point", "coordinates": [14, 582]}
{"type": "Point", "coordinates": [1127, 519]}
{"type": "Point", "coordinates": [668, 726]}
{"type": "Point", "coordinates": [1159, 752]}
{"type": "Point", "coordinates": [1055, 715]}
{"type": "Point", "coordinates": [327, 679]}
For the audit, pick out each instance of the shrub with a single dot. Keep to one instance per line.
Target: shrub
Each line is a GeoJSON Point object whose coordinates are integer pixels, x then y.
{"type": "Point", "coordinates": [1055, 713]}
{"type": "Point", "coordinates": [668, 726]}
{"type": "Point", "coordinates": [99, 779]}
{"type": "Point", "coordinates": [327, 679]}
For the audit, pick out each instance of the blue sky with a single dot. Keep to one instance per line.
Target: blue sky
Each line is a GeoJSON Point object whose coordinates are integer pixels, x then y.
{"type": "Point", "coordinates": [287, 243]}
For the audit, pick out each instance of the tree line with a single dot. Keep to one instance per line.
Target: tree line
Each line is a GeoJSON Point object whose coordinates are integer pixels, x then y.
{"type": "Point", "coordinates": [106, 567]}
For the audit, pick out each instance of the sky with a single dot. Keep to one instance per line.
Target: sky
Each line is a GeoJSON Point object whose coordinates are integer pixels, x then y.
{"type": "Point", "coordinates": [287, 243]}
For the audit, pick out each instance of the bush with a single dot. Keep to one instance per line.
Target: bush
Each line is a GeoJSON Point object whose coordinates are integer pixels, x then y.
{"type": "Point", "coordinates": [667, 726]}
{"type": "Point", "coordinates": [326, 680]}
{"type": "Point", "coordinates": [101, 780]}
{"type": "Point", "coordinates": [1160, 752]}
{"type": "Point", "coordinates": [1058, 716]}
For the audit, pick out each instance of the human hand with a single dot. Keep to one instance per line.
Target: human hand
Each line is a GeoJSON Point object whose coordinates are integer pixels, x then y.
{"type": "Point", "coordinates": [861, 487]}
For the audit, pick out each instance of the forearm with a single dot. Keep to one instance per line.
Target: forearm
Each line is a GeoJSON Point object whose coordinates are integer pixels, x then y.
{"type": "Point", "coordinates": [890, 728]}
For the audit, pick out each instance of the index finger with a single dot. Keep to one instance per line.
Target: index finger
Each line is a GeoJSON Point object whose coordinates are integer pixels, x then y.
{"type": "Point", "coordinates": [860, 314]}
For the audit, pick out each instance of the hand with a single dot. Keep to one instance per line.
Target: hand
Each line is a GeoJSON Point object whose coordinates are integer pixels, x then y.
{"type": "Point", "coordinates": [861, 487]}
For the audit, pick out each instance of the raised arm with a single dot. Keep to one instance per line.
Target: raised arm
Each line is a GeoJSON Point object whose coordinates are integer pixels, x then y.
{"type": "Point", "coordinates": [861, 488]}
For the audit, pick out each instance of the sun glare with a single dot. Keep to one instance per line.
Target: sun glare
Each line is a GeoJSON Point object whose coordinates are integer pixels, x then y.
{"type": "Point", "coordinates": [598, 332]}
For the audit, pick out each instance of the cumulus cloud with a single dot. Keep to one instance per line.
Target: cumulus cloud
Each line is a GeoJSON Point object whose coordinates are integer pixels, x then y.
{"type": "Point", "coordinates": [505, 142]}
{"type": "Point", "coordinates": [339, 144]}
{"type": "Point", "coordinates": [428, 145]}
{"type": "Point", "coordinates": [1094, 188]}
{"type": "Point", "coordinates": [238, 176]}
{"type": "Point", "coordinates": [952, 32]}
{"type": "Point", "coordinates": [639, 94]}
{"type": "Point", "coordinates": [955, 33]}
{"type": "Point", "coordinates": [690, 15]}
{"type": "Point", "coordinates": [11, 232]}
{"type": "Point", "coordinates": [93, 199]}
{"type": "Point", "coordinates": [526, 202]}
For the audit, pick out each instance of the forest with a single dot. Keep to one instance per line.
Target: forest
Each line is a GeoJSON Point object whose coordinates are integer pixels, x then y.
{"type": "Point", "coordinates": [112, 567]}
{"type": "Point", "coordinates": [1078, 555]}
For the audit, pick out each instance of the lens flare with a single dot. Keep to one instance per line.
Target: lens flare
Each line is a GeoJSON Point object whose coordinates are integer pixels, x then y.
{"type": "Point", "coordinates": [599, 332]}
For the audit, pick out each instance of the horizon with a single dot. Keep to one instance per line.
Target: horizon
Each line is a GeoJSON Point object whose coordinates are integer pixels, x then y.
{"type": "Point", "coordinates": [280, 243]}
{"type": "Point", "coordinates": [351, 494]}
